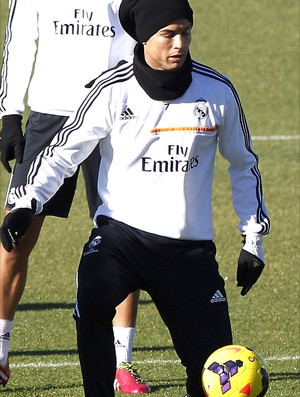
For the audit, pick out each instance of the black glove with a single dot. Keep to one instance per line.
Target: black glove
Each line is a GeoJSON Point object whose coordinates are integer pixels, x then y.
{"type": "Point", "coordinates": [249, 269]}
{"type": "Point", "coordinates": [11, 140]}
{"type": "Point", "coordinates": [15, 225]}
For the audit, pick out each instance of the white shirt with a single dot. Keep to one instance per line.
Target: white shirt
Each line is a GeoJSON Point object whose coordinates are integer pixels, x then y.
{"type": "Point", "coordinates": [65, 43]}
{"type": "Point", "coordinates": [157, 164]}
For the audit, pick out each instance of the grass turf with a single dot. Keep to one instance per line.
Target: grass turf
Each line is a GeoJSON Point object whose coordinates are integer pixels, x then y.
{"type": "Point", "coordinates": [256, 45]}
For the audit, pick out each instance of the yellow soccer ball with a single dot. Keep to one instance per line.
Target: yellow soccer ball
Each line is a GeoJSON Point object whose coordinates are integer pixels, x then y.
{"type": "Point", "coordinates": [235, 371]}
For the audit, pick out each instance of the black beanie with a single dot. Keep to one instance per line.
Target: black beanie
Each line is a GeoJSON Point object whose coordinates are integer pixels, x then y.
{"type": "Point", "coordinates": [141, 19]}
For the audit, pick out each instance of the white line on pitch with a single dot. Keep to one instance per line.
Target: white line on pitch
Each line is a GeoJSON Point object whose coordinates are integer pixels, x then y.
{"type": "Point", "coordinates": [275, 137]}
{"type": "Point", "coordinates": [159, 362]}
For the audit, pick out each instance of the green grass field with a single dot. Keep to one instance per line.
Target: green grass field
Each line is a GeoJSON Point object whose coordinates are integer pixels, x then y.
{"type": "Point", "coordinates": [256, 44]}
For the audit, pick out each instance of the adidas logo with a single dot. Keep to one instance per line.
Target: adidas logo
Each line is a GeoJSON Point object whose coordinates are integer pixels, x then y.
{"type": "Point", "coordinates": [5, 336]}
{"type": "Point", "coordinates": [127, 115]}
{"type": "Point", "coordinates": [218, 297]}
{"type": "Point", "coordinates": [119, 344]}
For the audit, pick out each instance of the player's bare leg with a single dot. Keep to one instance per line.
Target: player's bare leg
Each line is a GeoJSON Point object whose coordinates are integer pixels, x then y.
{"type": "Point", "coordinates": [13, 274]}
{"type": "Point", "coordinates": [13, 270]}
{"type": "Point", "coordinates": [127, 311]}
{"type": "Point", "coordinates": [127, 380]}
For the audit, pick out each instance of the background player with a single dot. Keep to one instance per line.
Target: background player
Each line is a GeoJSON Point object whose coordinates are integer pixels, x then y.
{"type": "Point", "coordinates": [70, 43]}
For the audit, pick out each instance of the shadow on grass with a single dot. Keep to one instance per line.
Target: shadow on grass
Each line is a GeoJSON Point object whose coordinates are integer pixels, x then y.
{"type": "Point", "coordinates": [181, 382]}
{"type": "Point", "coordinates": [153, 348]}
{"type": "Point", "coordinates": [59, 305]}
{"type": "Point", "coordinates": [45, 306]}
{"type": "Point", "coordinates": [36, 353]}
{"type": "Point", "coordinates": [41, 389]}
{"type": "Point", "coordinates": [279, 376]}
{"type": "Point", "coordinates": [173, 383]}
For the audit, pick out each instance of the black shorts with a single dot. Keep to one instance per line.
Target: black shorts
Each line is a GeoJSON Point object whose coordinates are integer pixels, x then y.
{"type": "Point", "coordinates": [40, 130]}
{"type": "Point", "coordinates": [182, 278]}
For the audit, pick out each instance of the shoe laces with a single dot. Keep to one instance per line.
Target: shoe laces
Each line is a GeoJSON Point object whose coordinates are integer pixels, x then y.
{"type": "Point", "coordinates": [129, 368]}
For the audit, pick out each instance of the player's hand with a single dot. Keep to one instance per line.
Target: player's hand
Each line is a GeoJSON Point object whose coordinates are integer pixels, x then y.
{"type": "Point", "coordinates": [11, 140]}
{"type": "Point", "coordinates": [249, 270]}
{"type": "Point", "coordinates": [15, 225]}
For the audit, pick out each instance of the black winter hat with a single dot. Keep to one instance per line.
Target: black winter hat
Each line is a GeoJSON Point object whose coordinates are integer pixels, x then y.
{"type": "Point", "coordinates": [141, 19]}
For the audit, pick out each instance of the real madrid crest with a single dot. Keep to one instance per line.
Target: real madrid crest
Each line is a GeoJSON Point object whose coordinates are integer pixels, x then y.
{"type": "Point", "coordinates": [201, 110]}
{"type": "Point", "coordinates": [95, 242]}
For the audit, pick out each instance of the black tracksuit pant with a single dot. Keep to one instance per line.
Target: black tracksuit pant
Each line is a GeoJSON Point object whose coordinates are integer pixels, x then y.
{"type": "Point", "coordinates": [180, 276]}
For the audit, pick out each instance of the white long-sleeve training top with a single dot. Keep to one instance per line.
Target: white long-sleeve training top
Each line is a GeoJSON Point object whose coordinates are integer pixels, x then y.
{"type": "Point", "coordinates": [65, 44]}
{"type": "Point", "coordinates": [157, 162]}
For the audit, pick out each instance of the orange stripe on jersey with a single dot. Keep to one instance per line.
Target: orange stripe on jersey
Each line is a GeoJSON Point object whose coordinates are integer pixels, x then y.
{"type": "Point", "coordinates": [192, 129]}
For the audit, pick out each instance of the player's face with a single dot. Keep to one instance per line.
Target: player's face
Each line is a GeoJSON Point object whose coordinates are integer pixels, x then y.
{"type": "Point", "coordinates": [167, 49]}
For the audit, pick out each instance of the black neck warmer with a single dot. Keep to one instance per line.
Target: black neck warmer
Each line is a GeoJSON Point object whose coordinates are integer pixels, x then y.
{"type": "Point", "coordinates": [161, 85]}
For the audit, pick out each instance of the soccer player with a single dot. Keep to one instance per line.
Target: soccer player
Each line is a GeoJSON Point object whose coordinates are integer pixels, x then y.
{"type": "Point", "coordinates": [158, 137]}
{"type": "Point", "coordinates": [70, 42]}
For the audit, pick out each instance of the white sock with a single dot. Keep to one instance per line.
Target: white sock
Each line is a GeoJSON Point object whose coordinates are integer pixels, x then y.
{"type": "Point", "coordinates": [124, 337]}
{"type": "Point", "coordinates": [5, 332]}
